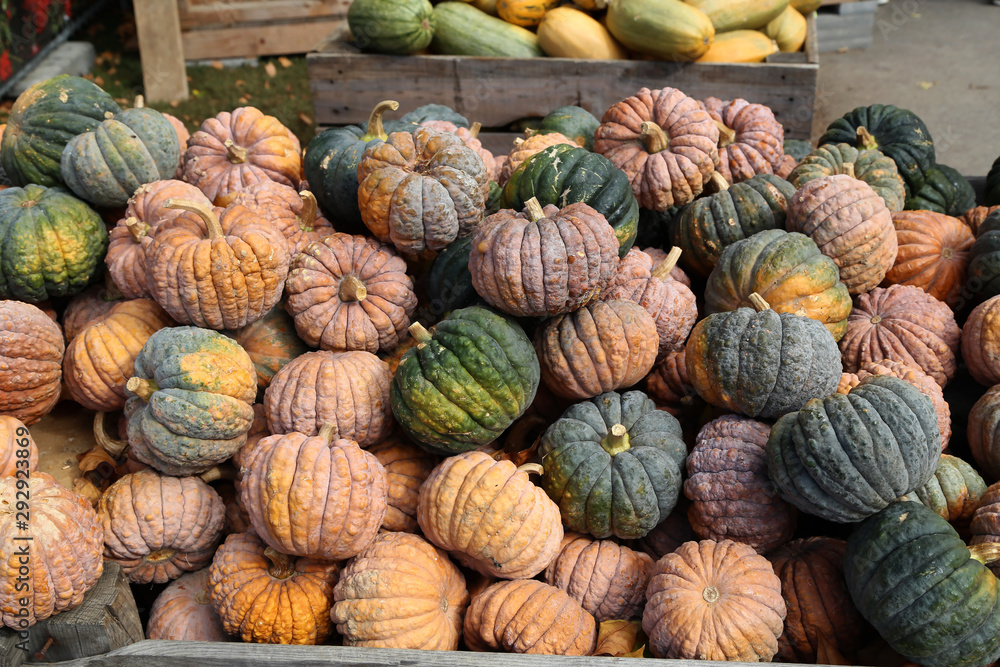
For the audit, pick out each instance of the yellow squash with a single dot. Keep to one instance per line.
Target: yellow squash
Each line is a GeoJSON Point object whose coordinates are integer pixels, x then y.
{"type": "Point", "coordinates": [806, 7]}
{"type": "Point", "coordinates": [569, 33]}
{"type": "Point", "coordinates": [729, 15]}
{"type": "Point", "coordinates": [788, 30]}
{"type": "Point", "coordinates": [740, 46]}
{"type": "Point", "coordinates": [665, 29]}
{"type": "Point", "coordinates": [525, 13]}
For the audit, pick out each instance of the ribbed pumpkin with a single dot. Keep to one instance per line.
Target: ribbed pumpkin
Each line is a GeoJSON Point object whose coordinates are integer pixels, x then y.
{"type": "Point", "coordinates": [182, 612]}
{"type": "Point", "coordinates": [981, 342]}
{"type": "Point", "coordinates": [571, 121]}
{"type": "Point", "coordinates": [672, 532]}
{"type": "Point", "coordinates": [714, 601]}
{"type": "Point", "coordinates": [607, 579]}
{"type": "Point", "coordinates": [490, 516]}
{"type": "Point", "coordinates": [731, 496]}
{"type": "Point", "coordinates": [933, 254]}
{"type": "Point", "coordinates": [350, 293]}
{"type": "Point", "coordinates": [87, 307]}
{"type": "Point", "coordinates": [946, 191]}
{"type": "Point", "coordinates": [529, 617]}
{"type": "Point", "coordinates": [902, 323]}
{"type": "Point", "coordinates": [524, 149]}
{"type": "Point", "coordinates": [18, 450]}
{"type": "Point", "coordinates": [844, 458]}
{"type": "Point", "coordinates": [750, 138]}
{"type": "Point", "coordinates": [347, 389]}
{"type": "Point", "coordinates": [31, 352]}
{"type": "Point", "coordinates": [400, 592]}
{"type": "Point", "coordinates": [469, 135]}
{"type": "Point", "coordinates": [271, 343]}
{"type": "Point", "coordinates": [985, 515]}
{"type": "Point", "coordinates": [295, 213]}
{"type": "Point", "coordinates": [449, 282]}
{"type": "Point", "coordinates": [984, 433]}
{"type": "Point", "coordinates": [955, 492]}
{"type": "Point", "coordinates": [191, 397]}
{"type": "Point", "coordinates": [664, 142]}
{"type": "Point", "coordinates": [267, 597]}
{"type": "Point", "coordinates": [870, 166]}
{"type": "Point", "coordinates": [975, 217]}
{"type": "Point", "coordinates": [62, 546]}
{"type": "Point", "coordinates": [669, 385]}
{"type": "Point", "coordinates": [984, 260]}
{"type": "Point", "coordinates": [159, 527]}
{"type": "Point", "coordinates": [406, 467]}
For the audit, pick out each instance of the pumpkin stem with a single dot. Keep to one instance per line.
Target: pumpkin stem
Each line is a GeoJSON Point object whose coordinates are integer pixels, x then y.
{"type": "Point", "coordinates": [662, 271]}
{"type": "Point", "coordinates": [474, 130]}
{"type": "Point", "coordinates": [531, 468]}
{"type": "Point", "coordinates": [865, 140]}
{"type": "Point", "coordinates": [375, 129]}
{"type": "Point", "coordinates": [142, 388]}
{"type": "Point", "coordinates": [849, 169]}
{"type": "Point", "coordinates": [113, 447]}
{"type": "Point", "coordinates": [616, 441]}
{"type": "Point", "coordinates": [236, 154]}
{"type": "Point", "coordinates": [310, 210]}
{"type": "Point", "coordinates": [140, 102]}
{"type": "Point", "coordinates": [653, 137]}
{"type": "Point", "coordinates": [719, 181]}
{"type": "Point", "coordinates": [419, 333]}
{"type": "Point", "coordinates": [218, 472]}
{"type": "Point", "coordinates": [327, 431]}
{"type": "Point", "coordinates": [985, 552]}
{"type": "Point", "coordinates": [726, 134]}
{"type": "Point", "coordinates": [282, 565]}
{"type": "Point", "coordinates": [758, 302]}
{"type": "Point", "coordinates": [204, 211]}
{"type": "Point", "coordinates": [534, 209]}
{"type": "Point", "coordinates": [136, 227]}
{"type": "Point", "coordinates": [352, 289]}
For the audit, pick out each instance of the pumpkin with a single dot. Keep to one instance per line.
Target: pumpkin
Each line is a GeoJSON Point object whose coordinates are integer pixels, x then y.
{"type": "Point", "coordinates": [955, 492]}
{"type": "Point", "coordinates": [602, 347]}
{"type": "Point", "coordinates": [159, 527]}
{"type": "Point", "coordinates": [658, 255]}
{"type": "Point", "coordinates": [51, 244]}
{"type": "Point", "coordinates": [565, 32]}
{"type": "Point", "coordinates": [669, 385]}
{"type": "Point", "coordinates": [731, 496]}
{"type": "Point", "coordinates": [945, 191]}
{"type": "Point", "coordinates": [761, 363]}
{"type": "Point", "coordinates": [449, 282]}
{"type": "Point", "coordinates": [797, 148]}
{"type": "Point", "coordinates": [981, 343]}
{"type": "Point", "coordinates": [529, 617]}
{"type": "Point", "coordinates": [295, 213]}
{"type": "Point", "coordinates": [43, 120]}
{"type": "Point", "coordinates": [788, 29]}
{"type": "Point", "coordinates": [902, 323]}
{"type": "Point", "coordinates": [391, 26]}
{"type": "Point", "coordinates": [984, 260]}
{"type": "Point", "coordinates": [18, 450]}
{"type": "Point", "coordinates": [267, 597]}
{"type": "Point", "coordinates": [190, 400]}
{"type": "Point", "coordinates": [63, 544]}
{"type": "Point", "coordinates": [707, 226]}
{"type": "Point", "coordinates": [786, 166]}
{"type": "Point", "coordinates": [750, 139]}
{"type": "Point", "coordinates": [672, 532]}
{"type": "Point", "coordinates": [99, 361]}
{"type": "Point", "coordinates": [984, 433]}
{"type": "Point", "coordinates": [348, 389]}
{"type": "Point", "coordinates": [573, 122]}
{"type": "Point", "coordinates": [975, 217]}
{"type": "Point", "coordinates": [613, 464]}
{"type": "Point", "coordinates": [933, 254]}
{"type": "Point", "coordinates": [714, 601]}
{"type": "Point", "coordinates": [663, 29]}
{"type": "Point", "coordinates": [490, 516]}
{"type": "Point", "coordinates": [542, 261]}
{"type": "Point", "coordinates": [464, 385]}
{"type": "Point", "coordinates": [664, 142]}
{"type": "Point", "coordinates": [350, 293]}
{"type": "Point", "coordinates": [524, 149]}
{"type": "Point", "coordinates": [400, 592]}
{"type": "Point", "coordinates": [88, 306]}
{"type": "Point", "coordinates": [788, 271]}
{"type": "Point", "coordinates": [870, 166]}
{"type": "Point", "coordinates": [435, 112]}
{"type": "Point", "coordinates": [271, 343]}
{"type": "Point", "coordinates": [821, 617]}
{"type": "Point", "coordinates": [851, 224]}
{"type": "Point", "coordinates": [31, 352]}
{"type": "Point", "coordinates": [993, 184]}
{"type": "Point", "coordinates": [985, 517]}
{"type": "Point", "coordinates": [105, 165]}
{"type": "Point", "coordinates": [394, 176]}
{"type": "Point", "coordinates": [470, 135]}
{"type": "Point", "coordinates": [739, 46]}
{"type": "Point", "coordinates": [226, 277]}
{"type": "Point", "coordinates": [182, 611]}
{"type": "Point", "coordinates": [406, 467]}
{"type": "Point", "coordinates": [845, 457]}
{"type": "Point", "coordinates": [906, 567]}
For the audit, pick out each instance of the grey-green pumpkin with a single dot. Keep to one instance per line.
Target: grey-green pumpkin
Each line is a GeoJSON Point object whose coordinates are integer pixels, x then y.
{"type": "Point", "coordinates": [870, 166]}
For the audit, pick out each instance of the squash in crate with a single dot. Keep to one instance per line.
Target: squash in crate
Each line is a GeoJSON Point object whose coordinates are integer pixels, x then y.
{"type": "Point", "coordinates": [739, 46]}
{"type": "Point", "coordinates": [730, 15]}
{"type": "Point", "coordinates": [182, 612]}
{"type": "Point", "coordinates": [398, 27]}
{"type": "Point", "coordinates": [870, 166]}
{"type": "Point", "coordinates": [788, 29]}
{"type": "Point", "coordinates": [565, 32]}
{"type": "Point", "coordinates": [463, 30]}
{"type": "Point", "coordinates": [31, 350]}
{"type": "Point", "coordinates": [664, 29]}
{"type": "Point", "coordinates": [750, 139]}
{"type": "Point", "coordinates": [525, 13]}
{"type": "Point", "coordinates": [805, 7]}
{"type": "Point", "coordinates": [933, 254]}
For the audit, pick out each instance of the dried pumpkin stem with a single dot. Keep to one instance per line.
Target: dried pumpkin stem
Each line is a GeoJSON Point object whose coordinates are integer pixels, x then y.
{"type": "Point", "coordinates": [204, 212]}
{"type": "Point", "coordinates": [726, 134]}
{"type": "Point", "coordinates": [236, 154]}
{"type": "Point", "coordinates": [474, 130]}
{"type": "Point", "coordinates": [663, 269]}
{"type": "Point", "coordinates": [518, 142]}
{"type": "Point", "coordinates": [719, 182]}
{"type": "Point", "coordinates": [985, 552]}
{"type": "Point", "coordinates": [352, 289]}
{"type": "Point", "coordinates": [419, 333]}
{"type": "Point", "coordinates": [141, 387]}
{"type": "Point", "coordinates": [113, 447]}
{"type": "Point", "coordinates": [531, 468]}
{"type": "Point", "coordinates": [535, 210]}
{"type": "Point", "coordinates": [201, 598]}
{"type": "Point", "coordinates": [136, 227]}
{"type": "Point", "coordinates": [218, 472]}
{"type": "Point", "coordinates": [140, 102]}
{"type": "Point", "coordinates": [328, 431]}
{"type": "Point", "coordinates": [653, 137]}
{"type": "Point", "coordinates": [865, 139]}
{"type": "Point", "coordinates": [616, 441]}
{"type": "Point", "coordinates": [282, 565]}
{"type": "Point", "coordinates": [310, 210]}
{"type": "Point", "coordinates": [375, 129]}
{"type": "Point", "coordinates": [849, 169]}
{"type": "Point", "coordinates": [758, 302]}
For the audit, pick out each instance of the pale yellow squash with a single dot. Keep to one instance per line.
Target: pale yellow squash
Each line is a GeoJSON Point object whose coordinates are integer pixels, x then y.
{"type": "Point", "coordinates": [806, 7]}
{"type": "Point", "coordinates": [739, 46]}
{"type": "Point", "coordinates": [788, 30]}
{"type": "Point", "coordinates": [569, 33]}
{"type": "Point", "coordinates": [727, 15]}
{"type": "Point", "coordinates": [665, 29]}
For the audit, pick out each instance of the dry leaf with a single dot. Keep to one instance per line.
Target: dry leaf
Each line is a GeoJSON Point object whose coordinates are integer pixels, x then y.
{"type": "Point", "coordinates": [270, 69]}
{"type": "Point", "coordinates": [304, 117]}
{"type": "Point", "coordinates": [99, 80]}
{"type": "Point", "coordinates": [217, 64]}
{"type": "Point", "coordinates": [112, 71]}
{"type": "Point", "coordinates": [285, 62]}
{"type": "Point", "coordinates": [97, 460]}
{"type": "Point", "coordinates": [620, 639]}
{"type": "Point", "coordinates": [175, 103]}
{"type": "Point", "coordinates": [520, 443]}
{"type": "Point", "coordinates": [926, 85]}
{"type": "Point", "coordinates": [827, 652]}
{"type": "Point", "coordinates": [267, 85]}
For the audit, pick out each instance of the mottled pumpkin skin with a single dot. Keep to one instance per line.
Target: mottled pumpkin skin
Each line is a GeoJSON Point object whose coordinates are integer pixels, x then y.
{"type": "Point", "coordinates": [984, 260]}
{"type": "Point", "coordinates": [955, 492]}
{"type": "Point", "coordinates": [608, 580]}
{"type": "Point", "coordinates": [669, 385]}
{"type": "Point", "coordinates": [294, 213]}
{"type": "Point", "coordinates": [985, 515]}
{"type": "Point", "coordinates": [529, 617]}
{"type": "Point", "coordinates": [18, 450]}
{"type": "Point", "coordinates": [267, 602]}
{"type": "Point", "coordinates": [933, 254]}
{"type": "Point", "coordinates": [471, 141]}
{"type": "Point", "coordinates": [182, 612]}
{"type": "Point", "coordinates": [525, 149]}
{"type": "Point", "coordinates": [489, 516]}
{"type": "Point", "coordinates": [31, 352]}
{"type": "Point", "coordinates": [604, 487]}
{"type": "Point", "coordinates": [981, 342]}
{"type": "Point", "coordinates": [756, 148]}
{"type": "Point", "coordinates": [870, 166]}
{"type": "Point", "coordinates": [906, 567]}
{"type": "Point", "coordinates": [731, 496]}
{"type": "Point", "coordinates": [714, 601]}
{"type": "Point", "coordinates": [821, 615]}
{"type": "Point", "coordinates": [348, 389]}
{"type": "Point", "coordinates": [406, 467]}
{"type": "Point", "coordinates": [984, 433]}
{"type": "Point", "coordinates": [400, 592]}
{"type": "Point", "coordinates": [65, 549]}
{"type": "Point", "coordinates": [86, 307]}
{"type": "Point", "coordinates": [946, 191]}
{"type": "Point", "coordinates": [200, 410]}
{"type": "Point", "coordinates": [271, 343]}
{"type": "Point", "coordinates": [314, 497]}
{"type": "Point", "coordinates": [825, 457]}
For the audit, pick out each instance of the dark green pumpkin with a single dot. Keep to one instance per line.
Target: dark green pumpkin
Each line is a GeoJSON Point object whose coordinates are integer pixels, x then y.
{"type": "Point", "coordinates": [654, 228]}
{"type": "Point", "coordinates": [43, 120]}
{"type": "Point", "coordinates": [463, 386]}
{"type": "Point", "coordinates": [870, 166]}
{"type": "Point", "coordinates": [797, 148]}
{"type": "Point", "coordinates": [993, 184]}
{"type": "Point", "coordinates": [983, 274]}
{"type": "Point", "coordinates": [562, 175]}
{"type": "Point", "coordinates": [613, 465]}
{"type": "Point", "coordinates": [927, 593]}
{"type": "Point", "coordinates": [191, 400]}
{"type": "Point", "coordinates": [953, 493]}
{"type": "Point", "coordinates": [706, 226]}
{"type": "Point", "coordinates": [898, 133]}
{"type": "Point", "coordinates": [399, 27]}
{"type": "Point", "coordinates": [493, 198]}
{"type": "Point", "coordinates": [107, 165]}
{"type": "Point", "coordinates": [945, 191]}
{"type": "Point", "coordinates": [51, 244]}
{"type": "Point", "coordinates": [449, 283]}
{"type": "Point", "coordinates": [845, 457]}
{"type": "Point", "coordinates": [432, 112]}
{"type": "Point", "coordinates": [573, 122]}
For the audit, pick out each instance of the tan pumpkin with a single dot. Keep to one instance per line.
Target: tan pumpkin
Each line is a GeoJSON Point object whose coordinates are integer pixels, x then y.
{"type": "Point", "coordinates": [659, 256]}
{"type": "Point", "coordinates": [31, 352]}
{"type": "Point", "coordinates": [182, 612]}
{"type": "Point", "coordinates": [981, 342]}
{"type": "Point", "coordinates": [470, 136]}
{"type": "Point", "coordinates": [295, 213]}
{"type": "Point", "coordinates": [525, 148]}
{"type": "Point", "coordinates": [406, 467]}
{"type": "Point", "coordinates": [750, 138]}
{"type": "Point", "coordinates": [933, 254]}
{"type": "Point", "coordinates": [18, 450]}
{"type": "Point", "coordinates": [86, 307]}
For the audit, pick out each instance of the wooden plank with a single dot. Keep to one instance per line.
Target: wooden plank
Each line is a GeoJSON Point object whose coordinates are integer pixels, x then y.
{"type": "Point", "coordinates": [158, 27]}
{"type": "Point", "coordinates": [247, 41]}
{"type": "Point", "coordinates": [205, 13]}
{"type": "Point", "coordinates": [10, 654]}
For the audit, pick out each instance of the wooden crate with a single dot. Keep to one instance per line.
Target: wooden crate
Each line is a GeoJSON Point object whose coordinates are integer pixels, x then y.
{"type": "Point", "coordinates": [346, 83]}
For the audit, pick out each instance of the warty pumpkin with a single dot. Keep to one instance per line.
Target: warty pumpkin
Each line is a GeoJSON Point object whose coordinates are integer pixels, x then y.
{"type": "Point", "coordinates": [870, 166]}
{"type": "Point", "coordinates": [945, 191]}
{"type": "Point", "coordinates": [470, 135]}
{"type": "Point", "coordinates": [182, 612]}
{"type": "Point", "coordinates": [406, 467]}
{"type": "Point", "coordinates": [271, 343]}
{"type": "Point", "coordinates": [981, 342]}
{"type": "Point", "coordinates": [31, 352]}
{"type": "Point", "coordinates": [984, 260]}
{"type": "Point", "coordinates": [86, 307]}
{"type": "Point", "coordinates": [933, 254]}
{"type": "Point", "coordinates": [750, 138]}
{"type": "Point", "coordinates": [18, 450]}
{"type": "Point", "coordinates": [984, 433]}
{"type": "Point", "coordinates": [524, 149]}
{"type": "Point", "coordinates": [295, 213]}
{"type": "Point", "coordinates": [975, 217]}
{"type": "Point", "coordinates": [955, 492]}
{"type": "Point", "coordinates": [985, 518]}
{"type": "Point", "coordinates": [669, 385]}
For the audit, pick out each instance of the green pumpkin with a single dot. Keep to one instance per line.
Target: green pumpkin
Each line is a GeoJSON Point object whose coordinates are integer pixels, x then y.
{"type": "Point", "coordinates": [706, 226]}
{"type": "Point", "coordinates": [562, 175]}
{"type": "Point", "coordinates": [983, 275]}
{"type": "Point", "coordinates": [953, 493]}
{"type": "Point", "coordinates": [43, 120]}
{"type": "Point", "coordinates": [191, 400]}
{"type": "Point", "coordinates": [797, 148]}
{"type": "Point", "coordinates": [493, 198]}
{"type": "Point", "coordinates": [845, 457]}
{"type": "Point", "coordinates": [432, 112]}
{"type": "Point", "coordinates": [993, 184]}
{"type": "Point", "coordinates": [462, 387]}
{"type": "Point", "coordinates": [788, 270]}
{"type": "Point", "coordinates": [654, 228]}
{"type": "Point", "coordinates": [51, 244]}
{"type": "Point", "coordinates": [399, 27]}
{"type": "Point", "coordinates": [945, 191]}
{"type": "Point", "coordinates": [107, 165]}
{"type": "Point", "coordinates": [928, 595]}
{"type": "Point", "coordinates": [870, 166]}
{"type": "Point", "coordinates": [613, 465]}
{"type": "Point", "coordinates": [449, 283]}
{"type": "Point", "coordinates": [573, 122]}
{"type": "Point", "coordinates": [898, 133]}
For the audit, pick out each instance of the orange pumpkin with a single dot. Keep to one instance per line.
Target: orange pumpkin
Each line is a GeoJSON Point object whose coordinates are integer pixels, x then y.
{"type": "Point", "coordinates": [182, 612]}
{"type": "Point", "coordinates": [31, 352]}
{"type": "Point", "coordinates": [86, 307]}
{"type": "Point", "coordinates": [525, 148]}
{"type": "Point", "coordinates": [18, 450]}
{"type": "Point", "coordinates": [406, 468]}
{"type": "Point", "coordinates": [981, 342]}
{"type": "Point", "coordinates": [933, 253]}
{"type": "Point", "coordinates": [295, 213]}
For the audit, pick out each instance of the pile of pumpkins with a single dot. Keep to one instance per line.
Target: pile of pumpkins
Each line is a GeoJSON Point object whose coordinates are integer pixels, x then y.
{"type": "Point", "coordinates": [623, 391]}
{"type": "Point", "coordinates": [720, 31]}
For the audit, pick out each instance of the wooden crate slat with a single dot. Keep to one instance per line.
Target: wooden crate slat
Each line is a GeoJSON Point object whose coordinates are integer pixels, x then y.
{"type": "Point", "coordinates": [164, 78]}
{"type": "Point", "coordinates": [203, 13]}
{"type": "Point", "coordinates": [247, 41]}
